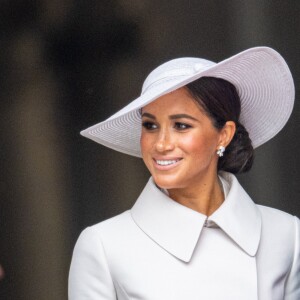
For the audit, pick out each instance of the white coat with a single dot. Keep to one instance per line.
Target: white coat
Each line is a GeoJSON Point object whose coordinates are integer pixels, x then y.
{"type": "Point", "coordinates": [162, 250]}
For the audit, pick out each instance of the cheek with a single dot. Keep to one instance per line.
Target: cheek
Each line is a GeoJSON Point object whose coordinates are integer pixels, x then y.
{"type": "Point", "coordinates": [146, 147]}
{"type": "Point", "coordinates": [145, 143]}
{"type": "Point", "coordinates": [199, 146]}
{"type": "Point", "coordinates": [192, 144]}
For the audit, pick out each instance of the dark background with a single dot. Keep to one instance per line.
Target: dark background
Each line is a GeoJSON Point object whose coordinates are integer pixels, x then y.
{"type": "Point", "coordinates": [66, 65]}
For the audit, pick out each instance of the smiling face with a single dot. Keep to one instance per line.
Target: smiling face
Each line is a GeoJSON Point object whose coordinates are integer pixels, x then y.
{"type": "Point", "coordinates": [179, 141]}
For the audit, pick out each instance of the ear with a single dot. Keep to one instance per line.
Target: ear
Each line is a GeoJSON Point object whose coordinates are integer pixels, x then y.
{"type": "Point", "coordinates": [227, 133]}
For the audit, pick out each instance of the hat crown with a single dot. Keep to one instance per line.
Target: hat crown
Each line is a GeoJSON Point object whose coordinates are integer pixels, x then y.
{"type": "Point", "coordinates": [175, 68]}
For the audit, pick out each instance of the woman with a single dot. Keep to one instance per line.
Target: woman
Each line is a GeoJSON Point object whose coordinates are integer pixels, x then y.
{"type": "Point", "coordinates": [194, 233]}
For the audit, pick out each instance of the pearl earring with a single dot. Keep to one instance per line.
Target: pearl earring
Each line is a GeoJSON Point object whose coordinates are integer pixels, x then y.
{"type": "Point", "coordinates": [220, 151]}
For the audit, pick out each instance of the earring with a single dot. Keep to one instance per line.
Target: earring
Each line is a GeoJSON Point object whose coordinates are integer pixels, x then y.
{"type": "Point", "coordinates": [221, 151]}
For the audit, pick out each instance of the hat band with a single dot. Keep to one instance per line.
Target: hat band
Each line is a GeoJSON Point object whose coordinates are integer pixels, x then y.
{"type": "Point", "coordinates": [163, 80]}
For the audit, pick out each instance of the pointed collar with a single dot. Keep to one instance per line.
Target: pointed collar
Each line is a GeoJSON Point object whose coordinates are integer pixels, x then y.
{"type": "Point", "coordinates": [177, 228]}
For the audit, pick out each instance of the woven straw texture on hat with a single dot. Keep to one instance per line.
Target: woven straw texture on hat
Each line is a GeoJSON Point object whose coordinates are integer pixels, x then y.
{"type": "Point", "coordinates": [261, 76]}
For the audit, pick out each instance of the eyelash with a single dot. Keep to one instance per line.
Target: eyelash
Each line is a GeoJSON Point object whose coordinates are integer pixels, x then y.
{"type": "Point", "coordinates": [178, 126]}
{"type": "Point", "coordinates": [149, 125]}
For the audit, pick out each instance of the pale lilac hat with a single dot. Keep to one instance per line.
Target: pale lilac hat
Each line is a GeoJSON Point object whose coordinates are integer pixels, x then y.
{"type": "Point", "coordinates": [260, 75]}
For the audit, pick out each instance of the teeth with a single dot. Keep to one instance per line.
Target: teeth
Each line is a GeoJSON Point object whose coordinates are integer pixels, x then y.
{"type": "Point", "coordinates": [166, 162]}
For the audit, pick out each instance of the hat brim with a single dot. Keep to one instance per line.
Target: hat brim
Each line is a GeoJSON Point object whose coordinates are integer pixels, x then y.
{"type": "Point", "coordinates": [261, 77]}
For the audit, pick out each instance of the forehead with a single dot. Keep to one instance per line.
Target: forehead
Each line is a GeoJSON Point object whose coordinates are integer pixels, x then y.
{"type": "Point", "coordinates": [174, 102]}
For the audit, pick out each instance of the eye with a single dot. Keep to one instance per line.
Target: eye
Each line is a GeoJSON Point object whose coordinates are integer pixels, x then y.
{"type": "Point", "coordinates": [182, 126]}
{"type": "Point", "coordinates": [149, 125]}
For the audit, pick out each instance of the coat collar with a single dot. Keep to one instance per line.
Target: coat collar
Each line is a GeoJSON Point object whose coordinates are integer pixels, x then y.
{"type": "Point", "coordinates": [177, 228]}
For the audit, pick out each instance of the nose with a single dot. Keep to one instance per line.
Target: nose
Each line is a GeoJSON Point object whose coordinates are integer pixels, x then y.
{"type": "Point", "coordinates": [164, 141]}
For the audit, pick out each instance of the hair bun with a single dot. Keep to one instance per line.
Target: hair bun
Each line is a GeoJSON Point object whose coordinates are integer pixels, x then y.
{"type": "Point", "coordinates": [239, 154]}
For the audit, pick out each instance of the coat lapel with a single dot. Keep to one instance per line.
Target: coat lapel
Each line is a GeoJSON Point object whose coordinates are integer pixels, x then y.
{"type": "Point", "coordinates": [239, 216]}
{"type": "Point", "coordinates": [177, 228]}
{"type": "Point", "coordinates": [174, 227]}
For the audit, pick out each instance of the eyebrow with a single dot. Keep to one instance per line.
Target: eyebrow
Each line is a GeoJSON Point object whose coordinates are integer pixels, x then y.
{"type": "Point", "coordinates": [182, 116]}
{"type": "Point", "coordinates": [172, 117]}
{"type": "Point", "coordinates": [148, 115]}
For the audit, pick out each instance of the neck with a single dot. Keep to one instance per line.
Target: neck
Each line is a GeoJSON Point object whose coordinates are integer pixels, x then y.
{"type": "Point", "coordinates": [205, 197]}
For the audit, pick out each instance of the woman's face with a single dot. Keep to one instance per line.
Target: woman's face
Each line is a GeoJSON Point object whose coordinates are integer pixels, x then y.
{"type": "Point", "coordinates": [178, 141]}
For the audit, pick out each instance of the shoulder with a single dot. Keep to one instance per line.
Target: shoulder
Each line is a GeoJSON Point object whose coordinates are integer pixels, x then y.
{"type": "Point", "coordinates": [279, 250]}
{"type": "Point", "coordinates": [277, 217]}
{"type": "Point", "coordinates": [115, 226]}
{"type": "Point", "coordinates": [90, 274]}
{"type": "Point", "coordinates": [279, 229]}
{"type": "Point", "coordinates": [96, 242]}
{"type": "Point", "coordinates": [113, 233]}
{"type": "Point", "coordinates": [280, 222]}
{"type": "Point", "coordinates": [113, 222]}
{"type": "Point", "coordinates": [275, 214]}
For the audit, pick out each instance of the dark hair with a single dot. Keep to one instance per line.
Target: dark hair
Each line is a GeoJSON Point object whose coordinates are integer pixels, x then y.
{"type": "Point", "coordinates": [221, 102]}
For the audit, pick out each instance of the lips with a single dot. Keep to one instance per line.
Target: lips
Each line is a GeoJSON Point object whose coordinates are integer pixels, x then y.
{"type": "Point", "coordinates": [166, 162]}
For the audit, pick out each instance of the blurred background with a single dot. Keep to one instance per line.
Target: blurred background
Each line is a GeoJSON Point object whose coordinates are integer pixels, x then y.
{"type": "Point", "coordinates": [68, 64]}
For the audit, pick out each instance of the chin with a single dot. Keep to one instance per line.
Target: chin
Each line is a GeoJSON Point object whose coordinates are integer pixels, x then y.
{"type": "Point", "coordinates": [167, 183]}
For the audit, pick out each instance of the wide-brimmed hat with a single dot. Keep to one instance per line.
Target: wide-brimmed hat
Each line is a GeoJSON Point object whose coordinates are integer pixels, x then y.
{"type": "Point", "coordinates": [260, 75]}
